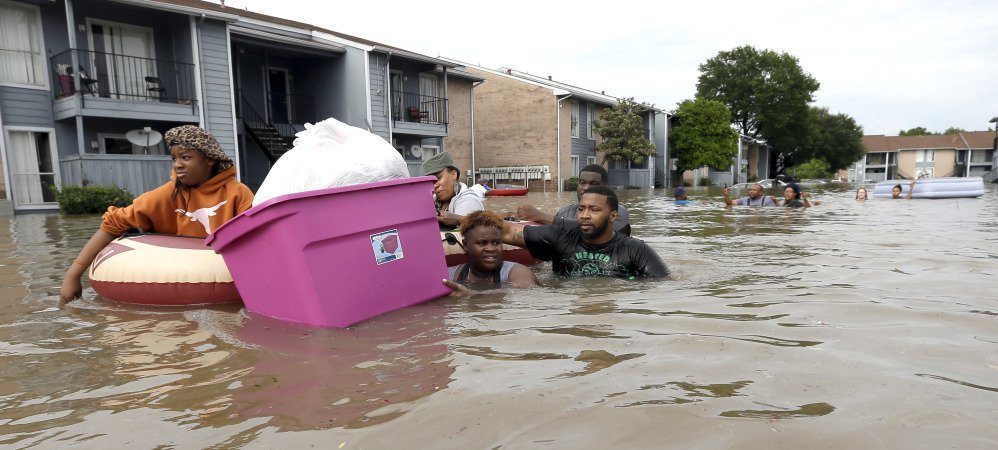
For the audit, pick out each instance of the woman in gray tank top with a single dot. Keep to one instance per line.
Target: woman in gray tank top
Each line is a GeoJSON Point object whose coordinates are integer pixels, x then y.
{"type": "Point", "coordinates": [482, 232]}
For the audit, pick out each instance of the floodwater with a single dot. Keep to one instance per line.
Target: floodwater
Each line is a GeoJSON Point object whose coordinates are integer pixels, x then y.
{"type": "Point", "coordinates": [848, 325]}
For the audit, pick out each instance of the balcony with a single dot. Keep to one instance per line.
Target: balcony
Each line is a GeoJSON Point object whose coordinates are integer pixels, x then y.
{"type": "Point", "coordinates": [419, 114]}
{"type": "Point", "coordinates": [121, 86]}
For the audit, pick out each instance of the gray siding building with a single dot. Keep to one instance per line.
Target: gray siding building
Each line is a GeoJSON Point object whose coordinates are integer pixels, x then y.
{"type": "Point", "coordinates": [79, 77]}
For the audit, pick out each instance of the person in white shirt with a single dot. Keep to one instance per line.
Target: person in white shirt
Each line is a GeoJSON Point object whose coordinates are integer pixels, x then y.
{"type": "Point", "coordinates": [453, 198]}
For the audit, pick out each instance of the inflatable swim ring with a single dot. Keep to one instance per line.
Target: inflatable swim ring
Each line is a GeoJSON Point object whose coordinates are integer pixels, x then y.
{"type": "Point", "coordinates": [946, 187]}
{"type": "Point", "coordinates": [454, 254]}
{"type": "Point", "coordinates": [155, 269]}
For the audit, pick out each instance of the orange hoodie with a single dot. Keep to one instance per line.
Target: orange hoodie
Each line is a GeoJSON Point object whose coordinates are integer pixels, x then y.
{"type": "Point", "coordinates": [194, 212]}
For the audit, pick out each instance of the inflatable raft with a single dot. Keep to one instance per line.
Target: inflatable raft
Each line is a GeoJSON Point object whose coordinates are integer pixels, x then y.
{"type": "Point", "coordinates": [155, 269]}
{"type": "Point", "coordinates": [948, 187]}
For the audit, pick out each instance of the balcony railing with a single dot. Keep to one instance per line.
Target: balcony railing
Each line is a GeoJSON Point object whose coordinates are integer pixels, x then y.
{"type": "Point", "coordinates": [280, 107]}
{"type": "Point", "coordinates": [418, 108]}
{"type": "Point", "coordinates": [123, 77]}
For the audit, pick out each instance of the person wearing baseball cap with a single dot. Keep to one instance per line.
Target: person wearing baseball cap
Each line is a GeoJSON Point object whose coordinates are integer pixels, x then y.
{"type": "Point", "coordinates": [453, 198]}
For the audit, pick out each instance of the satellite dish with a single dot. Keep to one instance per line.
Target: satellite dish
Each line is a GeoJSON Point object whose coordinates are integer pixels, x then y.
{"type": "Point", "coordinates": [145, 137]}
{"type": "Point", "coordinates": [416, 151]}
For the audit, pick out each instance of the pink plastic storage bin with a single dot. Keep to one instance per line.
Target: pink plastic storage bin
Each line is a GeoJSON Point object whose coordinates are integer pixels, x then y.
{"type": "Point", "coordinates": [337, 256]}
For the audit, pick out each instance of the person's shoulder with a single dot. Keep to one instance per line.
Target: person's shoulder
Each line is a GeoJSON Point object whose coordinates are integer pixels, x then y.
{"type": "Point", "coordinates": [238, 186]}
{"type": "Point", "coordinates": [570, 210]}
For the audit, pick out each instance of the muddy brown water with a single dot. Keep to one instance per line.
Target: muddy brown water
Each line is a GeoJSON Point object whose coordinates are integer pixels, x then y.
{"type": "Point", "coordinates": [847, 325]}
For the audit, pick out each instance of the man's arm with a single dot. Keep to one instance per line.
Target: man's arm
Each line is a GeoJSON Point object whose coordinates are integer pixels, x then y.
{"type": "Point", "coordinates": [449, 219]}
{"type": "Point", "coordinates": [512, 234]}
{"type": "Point", "coordinates": [529, 213]}
{"type": "Point", "coordinates": [727, 200]}
{"type": "Point", "coordinates": [911, 189]}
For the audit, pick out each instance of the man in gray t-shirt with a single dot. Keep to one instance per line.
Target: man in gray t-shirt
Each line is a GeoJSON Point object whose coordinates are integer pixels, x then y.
{"type": "Point", "coordinates": [755, 197]}
{"type": "Point", "coordinates": [591, 175]}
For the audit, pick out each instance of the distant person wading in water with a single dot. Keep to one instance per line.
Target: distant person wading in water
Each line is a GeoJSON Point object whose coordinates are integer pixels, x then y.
{"type": "Point", "coordinates": [896, 191]}
{"type": "Point", "coordinates": [794, 197]}
{"type": "Point", "coordinates": [755, 198]}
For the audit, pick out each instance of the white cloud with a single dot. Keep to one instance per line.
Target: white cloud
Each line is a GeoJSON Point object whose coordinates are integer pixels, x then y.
{"type": "Point", "coordinates": [889, 64]}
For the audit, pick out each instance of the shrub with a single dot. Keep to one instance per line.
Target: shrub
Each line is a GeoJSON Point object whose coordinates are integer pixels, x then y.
{"type": "Point", "coordinates": [572, 184]}
{"type": "Point", "coordinates": [91, 199]}
{"type": "Point", "coordinates": [705, 181]}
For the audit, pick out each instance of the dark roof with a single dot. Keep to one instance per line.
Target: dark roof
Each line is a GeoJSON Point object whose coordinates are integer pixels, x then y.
{"type": "Point", "coordinates": [974, 139]}
{"type": "Point", "coordinates": [208, 6]}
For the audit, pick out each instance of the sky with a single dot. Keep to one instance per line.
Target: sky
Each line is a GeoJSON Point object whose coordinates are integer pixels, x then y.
{"type": "Point", "coordinates": [889, 64]}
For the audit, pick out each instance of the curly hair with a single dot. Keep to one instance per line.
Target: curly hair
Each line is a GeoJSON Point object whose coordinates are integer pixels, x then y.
{"type": "Point", "coordinates": [480, 219]}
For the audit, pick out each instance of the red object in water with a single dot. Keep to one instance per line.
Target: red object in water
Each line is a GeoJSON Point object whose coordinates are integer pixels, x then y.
{"type": "Point", "coordinates": [505, 190]}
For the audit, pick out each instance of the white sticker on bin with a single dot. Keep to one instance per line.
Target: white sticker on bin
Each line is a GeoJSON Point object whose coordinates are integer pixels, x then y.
{"type": "Point", "coordinates": [387, 246]}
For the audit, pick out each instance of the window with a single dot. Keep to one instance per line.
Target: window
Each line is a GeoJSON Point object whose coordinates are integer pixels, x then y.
{"type": "Point", "coordinates": [925, 155]}
{"type": "Point", "coordinates": [20, 45]}
{"type": "Point", "coordinates": [875, 159]}
{"type": "Point", "coordinates": [429, 151]}
{"type": "Point", "coordinates": [117, 144]}
{"type": "Point", "coordinates": [32, 168]}
{"type": "Point", "coordinates": [590, 115]}
{"type": "Point", "coordinates": [575, 165]}
{"type": "Point", "coordinates": [575, 119]}
{"type": "Point", "coordinates": [980, 156]}
{"type": "Point", "coordinates": [590, 160]}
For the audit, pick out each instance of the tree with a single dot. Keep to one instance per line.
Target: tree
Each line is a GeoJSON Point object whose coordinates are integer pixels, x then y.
{"type": "Point", "coordinates": [835, 139]}
{"type": "Point", "coordinates": [917, 131]}
{"type": "Point", "coordinates": [954, 130]}
{"type": "Point", "coordinates": [768, 93]}
{"type": "Point", "coordinates": [814, 168]}
{"type": "Point", "coordinates": [623, 133]}
{"type": "Point", "coordinates": [703, 135]}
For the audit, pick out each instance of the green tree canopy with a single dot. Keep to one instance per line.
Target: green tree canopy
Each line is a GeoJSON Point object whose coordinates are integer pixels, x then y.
{"type": "Point", "coordinates": [814, 168]}
{"type": "Point", "coordinates": [954, 130]}
{"type": "Point", "coordinates": [623, 133]}
{"type": "Point", "coordinates": [833, 138]}
{"type": "Point", "coordinates": [703, 135]}
{"type": "Point", "coordinates": [917, 131]}
{"type": "Point", "coordinates": [767, 92]}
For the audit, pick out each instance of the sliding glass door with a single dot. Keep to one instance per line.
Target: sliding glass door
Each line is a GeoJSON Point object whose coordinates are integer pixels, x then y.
{"type": "Point", "coordinates": [124, 60]}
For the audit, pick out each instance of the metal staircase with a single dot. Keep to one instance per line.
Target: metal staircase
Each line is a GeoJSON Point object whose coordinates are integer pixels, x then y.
{"type": "Point", "coordinates": [267, 132]}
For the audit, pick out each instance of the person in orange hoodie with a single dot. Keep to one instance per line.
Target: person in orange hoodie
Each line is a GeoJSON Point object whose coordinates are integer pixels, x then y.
{"type": "Point", "coordinates": [201, 195]}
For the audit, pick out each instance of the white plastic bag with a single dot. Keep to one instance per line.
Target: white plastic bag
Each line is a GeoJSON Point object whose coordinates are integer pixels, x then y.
{"type": "Point", "coordinates": [332, 154]}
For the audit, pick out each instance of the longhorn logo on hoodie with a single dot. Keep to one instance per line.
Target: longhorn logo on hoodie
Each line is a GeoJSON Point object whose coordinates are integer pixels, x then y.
{"type": "Point", "coordinates": [202, 215]}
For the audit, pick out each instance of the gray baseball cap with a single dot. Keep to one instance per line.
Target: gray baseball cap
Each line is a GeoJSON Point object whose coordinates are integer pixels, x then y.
{"type": "Point", "coordinates": [439, 162]}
